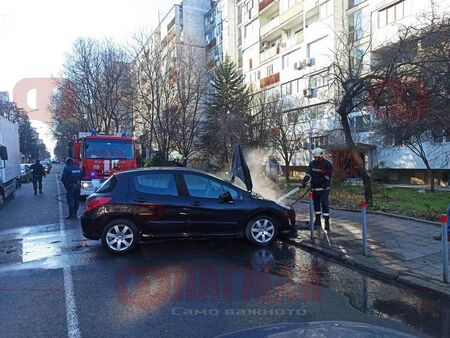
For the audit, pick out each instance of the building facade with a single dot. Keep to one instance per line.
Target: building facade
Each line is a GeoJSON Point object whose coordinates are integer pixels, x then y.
{"type": "Point", "coordinates": [287, 48]}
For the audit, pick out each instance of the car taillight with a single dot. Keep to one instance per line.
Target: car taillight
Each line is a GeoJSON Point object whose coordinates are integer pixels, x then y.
{"type": "Point", "coordinates": [96, 202]}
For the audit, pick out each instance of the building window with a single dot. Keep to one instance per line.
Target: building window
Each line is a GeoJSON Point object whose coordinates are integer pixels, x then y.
{"type": "Point", "coordinates": [269, 70]}
{"type": "Point", "coordinates": [326, 9]}
{"type": "Point", "coordinates": [319, 141]}
{"type": "Point", "coordinates": [285, 61]}
{"type": "Point", "coordinates": [286, 89]}
{"type": "Point", "coordinates": [356, 25]}
{"type": "Point", "coordinates": [360, 123]}
{"type": "Point", "coordinates": [391, 14]}
{"type": "Point", "coordinates": [318, 80]}
{"type": "Point", "coordinates": [250, 63]}
{"type": "Point", "coordinates": [353, 3]}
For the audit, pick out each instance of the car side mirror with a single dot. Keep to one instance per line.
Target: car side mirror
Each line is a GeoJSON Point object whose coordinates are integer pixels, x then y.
{"type": "Point", "coordinates": [225, 197]}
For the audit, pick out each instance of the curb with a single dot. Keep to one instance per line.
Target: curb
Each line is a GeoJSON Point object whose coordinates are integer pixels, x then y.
{"type": "Point", "coordinates": [413, 282]}
{"type": "Point", "coordinates": [375, 212]}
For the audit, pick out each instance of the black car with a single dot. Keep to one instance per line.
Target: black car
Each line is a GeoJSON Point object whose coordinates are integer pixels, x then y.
{"type": "Point", "coordinates": [180, 203]}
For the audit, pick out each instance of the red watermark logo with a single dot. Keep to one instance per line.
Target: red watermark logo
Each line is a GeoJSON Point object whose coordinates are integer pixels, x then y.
{"type": "Point", "coordinates": [399, 101]}
{"type": "Point", "coordinates": [42, 89]}
{"type": "Point", "coordinates": [150, 287]}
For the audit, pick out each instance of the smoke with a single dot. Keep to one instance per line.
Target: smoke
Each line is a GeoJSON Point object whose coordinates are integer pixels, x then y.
{"type": "Point", "coordinates": [262, 185]}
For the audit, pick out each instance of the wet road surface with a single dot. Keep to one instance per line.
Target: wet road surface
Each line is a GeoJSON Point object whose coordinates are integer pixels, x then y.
{"type": "Point", "coordinates": [53, 282]}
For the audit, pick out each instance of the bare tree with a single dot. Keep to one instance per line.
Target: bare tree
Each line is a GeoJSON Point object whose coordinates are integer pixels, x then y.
{"type": "Point", "coordinates": [413, 105]}
{"type": "Point", "coordinates": [154, 78]}
{"type": "Point", "coordinates": [351, 77]}
{"type": "Point", "coordinates": [94, 90]}
{"type": "Point", "coordinates": [190, 90]}
{"type": "Point", "coordinates": [287, 128]}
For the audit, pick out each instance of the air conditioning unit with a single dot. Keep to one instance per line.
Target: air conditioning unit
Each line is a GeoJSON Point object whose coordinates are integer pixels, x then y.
{"type": "Point", "coordinates": [265, 45]}
{"type": "Point", "coordinates": [307, 92]}
{"type": "Point", "coordinates": [298, 65]}
{"type": "Point", "coordinates": [309, 62]}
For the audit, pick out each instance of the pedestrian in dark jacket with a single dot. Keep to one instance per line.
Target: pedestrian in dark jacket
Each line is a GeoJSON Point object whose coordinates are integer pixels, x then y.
{"type": "Point", "coordinates": [319, 173]}
{"type": "Point", "coordinates": [37, 172]}
{"type": "Point", "coordinates": [71, 178]}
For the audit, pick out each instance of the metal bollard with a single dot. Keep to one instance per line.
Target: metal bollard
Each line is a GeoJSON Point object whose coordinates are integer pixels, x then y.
{"type": "Point", "coordinates": [444, 236]}
{"type": "Point", "coordinates": [311, 210]}
{"type": "Point", "coordinates": [364, 226]}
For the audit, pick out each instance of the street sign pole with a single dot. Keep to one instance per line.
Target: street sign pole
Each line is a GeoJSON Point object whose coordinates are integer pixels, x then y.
{"type": "Point", "coordinates": [364, 226]}
{"type": "Point", "coordinates": [311, 210]}
{"type": "Point", "coordinates": [444, 238]}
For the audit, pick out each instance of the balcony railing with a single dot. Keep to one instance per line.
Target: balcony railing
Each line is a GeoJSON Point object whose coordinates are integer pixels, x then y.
{"type": "Point", "coordinates": [292, 12]}
{"type": "Point", "coordinates": [293, 41]}
{"type": "Point", "coordinates": [269, 80]}
{"type": "Point", "coordinates": [267, 28]}
{"type": "Point", "coordinates": [264, 3]}
{"type": "Point", "coordinates": [269, 53]}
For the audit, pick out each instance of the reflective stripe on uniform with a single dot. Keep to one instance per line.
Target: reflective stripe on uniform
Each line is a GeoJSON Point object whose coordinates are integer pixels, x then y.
{"type": "Point", "coordinates": [326, 215]}
{"type": "Point", "coordinates": [321, 189]}
{"type": "Point", "coordinates": [318, 212]}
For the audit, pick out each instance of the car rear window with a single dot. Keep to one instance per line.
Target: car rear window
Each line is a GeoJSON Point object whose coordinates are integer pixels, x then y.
{"type": "Point", "coordinates": [108, 185]}
{"type": "Point", "coordinates": [156, 184]}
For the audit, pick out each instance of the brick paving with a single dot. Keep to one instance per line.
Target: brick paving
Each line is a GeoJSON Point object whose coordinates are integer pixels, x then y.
{"type": "Point", "coordinates": [400, 249]}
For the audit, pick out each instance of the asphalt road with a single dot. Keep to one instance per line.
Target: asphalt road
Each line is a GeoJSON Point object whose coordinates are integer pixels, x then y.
{"type": "Point", "coordinates": [54, 283]}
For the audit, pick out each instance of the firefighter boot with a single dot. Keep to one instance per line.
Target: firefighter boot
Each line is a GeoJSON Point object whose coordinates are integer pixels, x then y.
{"type": "Point", "coordinates": [317, 222]}
{"type": "Point", "coordinates": [327, 223]}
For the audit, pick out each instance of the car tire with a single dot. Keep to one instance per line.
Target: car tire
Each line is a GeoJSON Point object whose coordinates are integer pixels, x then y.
{"type": "Point", "coordinates": [115, 237]}
{"type": "Point", "coordinates": [261, 230]}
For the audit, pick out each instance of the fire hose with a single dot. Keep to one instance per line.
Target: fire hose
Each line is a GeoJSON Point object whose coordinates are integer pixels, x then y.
{"type": "Point", "coordinates": [292, 192]}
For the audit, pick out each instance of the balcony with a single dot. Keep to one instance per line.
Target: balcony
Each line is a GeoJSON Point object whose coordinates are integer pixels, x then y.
{"type": "Point", "coordinates": [269, 53]}
{"type": "Point", "coordinates": [269, 80]}
{"type": "Point", "coordinates": [293, 41]}
{"type": "Point", "coordinates": [291, 13]}
{"type": "Point", "coordinates": [271, 26]}
{"type": "Point", "coordinates": [268, 7]}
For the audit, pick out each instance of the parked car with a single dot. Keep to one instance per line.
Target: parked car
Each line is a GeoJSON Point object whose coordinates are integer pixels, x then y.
{"type": "Point", "coordinates": [180, 203]}
{"type": "Point", "coordinates": [25, 173]}
{"type": "Point", "coordinates": [47, 166]}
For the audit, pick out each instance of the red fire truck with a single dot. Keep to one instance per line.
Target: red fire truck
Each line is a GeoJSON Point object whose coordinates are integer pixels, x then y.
{"type": "Point", "coordinates": [100, 156]}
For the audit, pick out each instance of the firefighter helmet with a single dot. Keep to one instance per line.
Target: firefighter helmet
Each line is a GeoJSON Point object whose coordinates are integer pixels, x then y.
{"type": "Point", "coordinates": [318, 152]}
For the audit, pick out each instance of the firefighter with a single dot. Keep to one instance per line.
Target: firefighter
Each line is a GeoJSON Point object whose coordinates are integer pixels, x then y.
{"type": "Point", "coordinates": [37, 171]}
{"type": "Point", "coordinates": [319, 172]}
{"type": "Point", "coordinates": [71, 178]}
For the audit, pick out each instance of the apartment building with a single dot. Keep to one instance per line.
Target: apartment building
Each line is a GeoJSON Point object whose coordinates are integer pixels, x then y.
{"type": "Point", "coordinates": [181, 28]}
{"type": "Point", "coordinates": [220, 33]}
{"type": "Point", "coordinates": [287, 46]}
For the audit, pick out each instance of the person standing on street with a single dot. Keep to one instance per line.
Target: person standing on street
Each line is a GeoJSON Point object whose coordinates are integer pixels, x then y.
{"type": "Point", "coordinates": [37, 171]}
{"type": "Point", "coordinates": [319, 172]}
{"type": "Point", "coordinates": [71, 178]}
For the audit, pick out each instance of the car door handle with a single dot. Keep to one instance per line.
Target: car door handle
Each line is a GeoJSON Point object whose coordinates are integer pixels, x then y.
{"type": "Point", "coordinates": [196, 203]}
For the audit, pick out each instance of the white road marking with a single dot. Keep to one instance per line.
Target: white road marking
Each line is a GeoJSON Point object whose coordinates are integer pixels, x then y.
{"type": "Point", "coordinates": [73, 327]}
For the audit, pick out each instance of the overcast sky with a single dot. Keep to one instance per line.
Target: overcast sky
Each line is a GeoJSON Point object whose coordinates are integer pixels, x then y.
{"type": "Point", "coordinates": [36, 34]}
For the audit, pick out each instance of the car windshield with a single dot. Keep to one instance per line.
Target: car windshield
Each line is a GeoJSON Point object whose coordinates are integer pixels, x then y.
{"type": "Point", "coordinates": [109, 149]}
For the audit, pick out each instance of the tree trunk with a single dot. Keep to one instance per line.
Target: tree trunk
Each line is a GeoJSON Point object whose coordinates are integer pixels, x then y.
{"type": "Point", "coordinates": [431, 178]}
{"type": "Point", "coordinates": [360, 163]}
{"type": "Point", "coordinates": [287, 172]}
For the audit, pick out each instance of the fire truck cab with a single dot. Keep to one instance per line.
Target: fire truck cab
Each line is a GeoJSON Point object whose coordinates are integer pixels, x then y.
{"type": "Point", "coordinates": [100, 156]}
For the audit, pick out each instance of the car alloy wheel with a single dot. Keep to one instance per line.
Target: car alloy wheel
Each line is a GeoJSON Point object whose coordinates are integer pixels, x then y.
{"type": "Point", "coordinates": [261, 230]}
{"type": "Point", "coordinates": [120, 236]}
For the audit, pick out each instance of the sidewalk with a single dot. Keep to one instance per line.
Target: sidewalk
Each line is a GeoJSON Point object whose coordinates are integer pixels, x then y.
{"type": "Point", "coordinates": [401, 250]}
